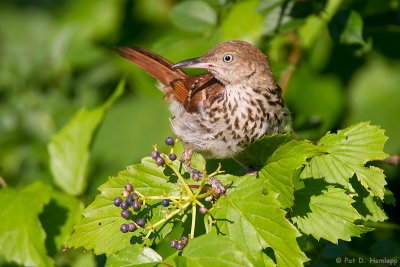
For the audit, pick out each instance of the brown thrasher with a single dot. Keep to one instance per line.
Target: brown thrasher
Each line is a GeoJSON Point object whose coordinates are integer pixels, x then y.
{"type": "Point", "coordinates": [217, 114]}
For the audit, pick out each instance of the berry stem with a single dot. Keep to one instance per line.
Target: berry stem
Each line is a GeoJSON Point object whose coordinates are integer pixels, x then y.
{"type": "Point", "coordinates": [169, 197]}
{"type": "Point", "coordinates": [169, 163]}
{"type": "Point", "coordinates": [169, 216]}
{"type": "Point", "coordinates": [194, 209]}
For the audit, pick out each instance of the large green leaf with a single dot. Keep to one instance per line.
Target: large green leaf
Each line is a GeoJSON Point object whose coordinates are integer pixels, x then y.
{"type": "Point", "coordinates": [213, 250]}
{"type": "Point", "coordinates": [135, 255]}
{"type": "Point", "coordinates": [193, 16]}
{"type": "Point", "coordinates": [277, 173]}
{"type": "Point", "coordinates": [254, 221]}
{"type": "Point", "coordinates": [69, 148]}
{"type": "Point", "coordinates": [22, 238]}
{"type": "Point", "coordinates": [348, 151]}
{"type": "Point", "coordinates": [326, 212]}
{"type": "Point", "coordinates": [100, 227]}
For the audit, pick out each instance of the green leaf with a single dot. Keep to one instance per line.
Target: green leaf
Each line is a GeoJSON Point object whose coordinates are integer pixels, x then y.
{"type": "Point", "coordinates": [69, 149]}
{"type": "Point", "coordinates": [213, 250]}
{"type": "Point", "coordinates": [348, 151]}
{"type": "Point", "coordinates": [100, 227]}
{"type": "Point", "coordinates": [22, 238]}
{"type": "Point", "coordinates": [254, 221]}
{"type": "Point", "coordinates": [326, 212]}
{"type": "Point", "coordinates": [277, 173]}
{"type": "Point", "coordinates": [243, 22]}
{"type": "Point", "coordinates": [193, 16]}
{"type": "Point", "coordinates": [135, 255]}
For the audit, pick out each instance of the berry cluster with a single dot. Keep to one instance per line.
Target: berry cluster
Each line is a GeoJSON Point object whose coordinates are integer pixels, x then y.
{"type": "Point", "coordinates": [158, 158]}
{"type": "Point", "coordinates": [132, 200]}
{"type": "Point", "coordinates": [179, 245]}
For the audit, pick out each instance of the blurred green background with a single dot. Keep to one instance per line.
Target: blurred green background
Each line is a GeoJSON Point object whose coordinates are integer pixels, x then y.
{"type": "Point", "coordinates": [337, 61]}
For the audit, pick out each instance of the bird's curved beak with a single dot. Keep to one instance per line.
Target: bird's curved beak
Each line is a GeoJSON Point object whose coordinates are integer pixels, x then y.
{"type": "Point", "coordinates": [193, 63]}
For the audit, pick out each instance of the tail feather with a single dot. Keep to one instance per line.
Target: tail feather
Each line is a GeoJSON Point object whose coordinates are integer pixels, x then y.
{"type": "Point", "coordinates": [155, 65]}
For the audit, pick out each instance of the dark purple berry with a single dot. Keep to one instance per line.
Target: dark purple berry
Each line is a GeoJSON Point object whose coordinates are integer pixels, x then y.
{"type": "Point", "coordinates": [117, 201]}
{"type": "Point", "coordinates": [125, 214]}
{"type": "Point", "coordinates": [129, 200]}
{"type": "Point", "coordinates": [172, 156]}
{"type": "Point", "coordinates": [128, 187]}
{"type": "Point", "coordinates": [184, 240]}
{"type": "Point", "coordinates": [179, 246]}
{"type": "Point", "coordinates": [203, 210]}
{"type": "Point", "coordinates": [124, 228]}
{"type": "Point", "coordinates": [173, 243]}
{"type": "Point", "coordinates": [124, 205]}
{"type": "Point", "coordinates": [169, 141]}
{"type": "Point", "coordinates": [140, 222]}
{"type": "Point", "coordinates": [165, 202]}
{"type": "Point", "coordinates": [125, 193]}
{"type": "Point", "coordinates": [134, 196]}
{"type": "Point", "coordinates": [160, 161]}
{"type": "Point", "coordinates": [131, 227]}
{"type": "Point", "coordinates": [154, 154]}
{"type": "Point", "coordinates": [196, 176]}
{"type": "Point", "coordinates": [136, 206]}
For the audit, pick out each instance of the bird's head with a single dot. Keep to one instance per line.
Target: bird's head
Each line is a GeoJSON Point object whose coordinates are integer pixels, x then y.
{"type": "Point", "coordinates": [232, 62]}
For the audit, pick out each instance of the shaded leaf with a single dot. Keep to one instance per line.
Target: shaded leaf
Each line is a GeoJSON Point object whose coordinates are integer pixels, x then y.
{"type": "Point", "coordinates": [69, 149]}
{"type": "Point", "coordinates": [242, 22]}
{"type": "Point", "coordinates": [326, 212]}
{"type": "Point", "coordinates": [58, 218]}
{"type": "Point", "coordinates": [135, 255]}
{"type": "Point", "coordinates": [193, 16]}
{"type": "Point", "coordinates": [348, 27]}
{"type": "Point", "coordinates": [22, 238]}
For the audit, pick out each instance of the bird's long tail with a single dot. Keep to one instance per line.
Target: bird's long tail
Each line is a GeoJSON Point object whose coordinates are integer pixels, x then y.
{"type": "Point", "coordinates": [155, 65]}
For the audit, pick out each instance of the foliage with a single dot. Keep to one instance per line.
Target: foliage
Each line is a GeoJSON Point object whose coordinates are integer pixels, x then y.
{"type": "Point", "coordinates": [337, 62]}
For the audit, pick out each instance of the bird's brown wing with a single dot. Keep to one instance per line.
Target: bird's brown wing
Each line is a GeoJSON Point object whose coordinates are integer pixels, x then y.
{"type": "Point", "coordinates": [204, 89]}
{"type": "Point", "coordinates": [191, 91]}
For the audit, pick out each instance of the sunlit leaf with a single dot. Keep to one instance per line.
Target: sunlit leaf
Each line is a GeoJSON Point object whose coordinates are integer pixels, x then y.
{"type": "Point", "coordinates": [348, 151]}
{"type": "Point", "coordinates": [69, 149]}
{"type": "Point", "coordinates": [135, 255]}
{"type": "Point", "coordinates": [100, 227]}
{"type": "Point", "coordinates": [22, 238]}
{"type": "Point", "coordinates": [213, 250]}
{"type": "Point", "coordinates": [277, 173]}
{"type": "Point", "coordinates": [254, 221]}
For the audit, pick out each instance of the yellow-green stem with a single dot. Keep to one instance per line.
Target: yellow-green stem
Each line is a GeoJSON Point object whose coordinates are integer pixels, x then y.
{"type": "Point", "coordinates": [193, 220]}
{"type": "Point", "coordinates": [169, 216]}
{"type": "Point", "coordinates": [181, 179]}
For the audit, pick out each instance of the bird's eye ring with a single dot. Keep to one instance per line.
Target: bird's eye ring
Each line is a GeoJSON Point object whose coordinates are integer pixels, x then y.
{"type": "Point", "coordinates": [228, 58]}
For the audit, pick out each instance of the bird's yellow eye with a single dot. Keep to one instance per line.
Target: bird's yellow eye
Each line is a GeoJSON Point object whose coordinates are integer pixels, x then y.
{"type": "Point", "coordinates": [228, 58]}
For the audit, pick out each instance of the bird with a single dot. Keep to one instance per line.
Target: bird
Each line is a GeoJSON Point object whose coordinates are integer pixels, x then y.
{"type": "Point", "coordinates": [217, 114]}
